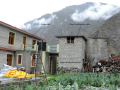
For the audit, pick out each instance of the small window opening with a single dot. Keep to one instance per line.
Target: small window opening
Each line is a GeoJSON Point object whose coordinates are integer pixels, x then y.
{"type": "Point", "coordinates": [70, 39]}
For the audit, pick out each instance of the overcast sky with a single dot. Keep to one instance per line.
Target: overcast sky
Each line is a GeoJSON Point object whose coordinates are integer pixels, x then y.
{"type": "Point", "coordinates": [17, 12]}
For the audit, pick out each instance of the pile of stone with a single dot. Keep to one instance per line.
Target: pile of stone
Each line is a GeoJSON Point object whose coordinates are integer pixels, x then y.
{"type": "Point", "coordinates": [66, 70]}
{"type": "Point", "coordinates": [108, 66]}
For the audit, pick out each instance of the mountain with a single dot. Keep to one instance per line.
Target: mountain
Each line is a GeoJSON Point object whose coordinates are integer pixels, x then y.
{"type": "Point", "coordinates": [110, 29]}
{"type": "Point", "coordinates": [87, 13]}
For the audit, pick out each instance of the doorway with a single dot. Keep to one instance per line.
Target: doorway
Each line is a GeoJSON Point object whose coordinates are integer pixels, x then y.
{"type": "Point", "coordinates": [50, 65]}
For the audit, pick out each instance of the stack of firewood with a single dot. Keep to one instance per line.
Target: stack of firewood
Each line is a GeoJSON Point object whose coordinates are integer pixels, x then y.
{"type": "Point", "coordinates": [111, 65]}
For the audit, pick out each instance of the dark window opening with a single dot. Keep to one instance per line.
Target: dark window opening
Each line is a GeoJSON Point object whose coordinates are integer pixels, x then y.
{"type": "Point", "coordinates": [70, 39]}
{"type": "Point", "coordinates": [12, 40]}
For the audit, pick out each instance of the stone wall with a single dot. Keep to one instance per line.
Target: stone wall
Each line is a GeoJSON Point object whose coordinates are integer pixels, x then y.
{"type": "Point", "coordinates": [47, 63]}
{"type": "Point", "coordinates": [67, 70]}
{"type": "Point", "coordinates": [98, 48]}
{"type": "Point", "coordinates": [71, 54]}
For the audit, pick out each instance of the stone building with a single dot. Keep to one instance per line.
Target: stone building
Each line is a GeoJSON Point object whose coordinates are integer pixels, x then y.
{"type": "Point", "coordinates": [72, 50]}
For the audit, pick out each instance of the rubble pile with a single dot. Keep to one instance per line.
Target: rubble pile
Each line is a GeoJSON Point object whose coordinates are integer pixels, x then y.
{"type": "Point", "coordinates": [110, 66]}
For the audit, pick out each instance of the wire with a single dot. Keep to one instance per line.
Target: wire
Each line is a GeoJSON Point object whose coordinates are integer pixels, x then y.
{"type": "Point", "coordinates": [70, 58]}
{"type": "Point", "coordinates": [41, 27]}
{"type": "Point", "coordinates": [38, 30]}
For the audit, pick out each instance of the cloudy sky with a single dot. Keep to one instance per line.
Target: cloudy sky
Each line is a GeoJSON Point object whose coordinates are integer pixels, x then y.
{"type": "Point", "coordinates": [17, 12]}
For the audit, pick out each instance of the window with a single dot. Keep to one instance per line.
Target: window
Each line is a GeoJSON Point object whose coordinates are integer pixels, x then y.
{"type": "Point", "coordinates": [70, 39]}
{"type": "Point", "coordinates": [33, 60]}
{"type": "Point", "coordinates": [33, 43]}
{"type": "Point", "coordinates": [19, 59]}
{"type": "Point", "coordinates": [9, 59]}
{"type": "Point", "coordinates": [24, 41]}
{"type": "Point", "coordinates": [11, 38]}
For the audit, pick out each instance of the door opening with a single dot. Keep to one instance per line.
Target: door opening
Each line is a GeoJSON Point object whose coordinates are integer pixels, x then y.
{"type": "Point", "coordinates": [50, 66]}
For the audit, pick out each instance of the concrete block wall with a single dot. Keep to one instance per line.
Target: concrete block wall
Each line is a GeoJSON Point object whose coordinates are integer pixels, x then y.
{"type": "Point", "coordinates": [4, 38]}
{"type": "Point", "coordinates": [71, 55]}
{"type": "Point", "coordinates": [47, 62]}
{"type": "Point", "coordinates": [98, 48]}
{"type": "Point", "coordinates": [26, 58]}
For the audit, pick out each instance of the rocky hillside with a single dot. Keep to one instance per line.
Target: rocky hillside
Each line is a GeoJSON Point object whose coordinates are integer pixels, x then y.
{"type": "Point", "coordinates": [94, 14]}
{"type": "Point", "coordinates": [110, 29]}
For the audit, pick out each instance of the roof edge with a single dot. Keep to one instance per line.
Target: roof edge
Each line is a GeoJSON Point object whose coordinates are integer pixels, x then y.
{"type": "Point", "coordinates": [72, 36]}
{"type": "Point", "coordinates": [20, 30]}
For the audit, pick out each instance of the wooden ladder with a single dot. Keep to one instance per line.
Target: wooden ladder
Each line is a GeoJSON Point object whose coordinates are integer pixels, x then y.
{"type": "Point", "coordinates": [38, 56]}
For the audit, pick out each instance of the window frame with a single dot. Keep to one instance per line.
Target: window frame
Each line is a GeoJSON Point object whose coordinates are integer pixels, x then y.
{"type": "Point", "coordinates": [33, 60]}
{"type": "Point", "coordinates": [24, 42]}
{"type": "Point", "coordinates": [9, 57]}
{"type": "Point", "coordinates": [33, 43]}
{"type": "Point", "coordinates": [12, 58]}
{"type": "Point", "coordinates": [11, 39]}
{"type": "Point", "coordinates": [69, 40]}
{"type": "Point", "coordinates": [19, 59]}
